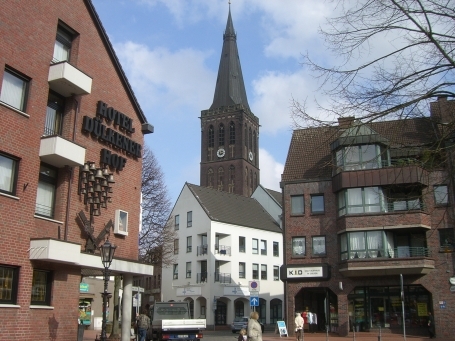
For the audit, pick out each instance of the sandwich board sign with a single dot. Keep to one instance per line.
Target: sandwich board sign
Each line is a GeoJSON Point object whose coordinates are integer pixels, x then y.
{"type": "Point", "coordinates": [282, 328]}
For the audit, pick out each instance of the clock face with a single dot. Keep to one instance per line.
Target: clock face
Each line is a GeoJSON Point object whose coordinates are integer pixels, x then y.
{"type": "Point", "coordinates": [250, 156]}
{"type": "Point", "coordinates": [220, 152]}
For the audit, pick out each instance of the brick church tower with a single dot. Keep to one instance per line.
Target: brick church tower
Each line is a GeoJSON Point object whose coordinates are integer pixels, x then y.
{"type": "Point", "coordinates": [229, 130]}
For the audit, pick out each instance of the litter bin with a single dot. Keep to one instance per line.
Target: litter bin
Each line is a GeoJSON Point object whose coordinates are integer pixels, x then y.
{"type": "Point", "coordinates": [80, 332]}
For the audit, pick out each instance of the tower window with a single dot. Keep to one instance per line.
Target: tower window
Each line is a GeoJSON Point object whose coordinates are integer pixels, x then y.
{"type": "Point", "coordinates": [220, 179]}
{"type": "Point", "coordinates": [246, 137]}
{"type": "Point", "coordinates": [231, 179]}
{"type": "Point", "coordinates": [250, 139]}
{"type": "Point", "coordinates": [221, 135]}
{"type": "Point", "coordinates": [211, 141]}
{"type": "Point", "coordinates": [210, 178]}
{"type": "Point", "coordinates": [232, 133]}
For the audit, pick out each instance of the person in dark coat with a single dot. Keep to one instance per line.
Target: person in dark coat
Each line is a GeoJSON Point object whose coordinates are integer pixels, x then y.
{"type": "Point", "coordinates": [431, 329]}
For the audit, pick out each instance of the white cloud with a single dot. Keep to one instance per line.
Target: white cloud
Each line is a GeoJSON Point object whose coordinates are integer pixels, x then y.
{"type": "Point", "coordinates": [173, 79]}
{"type": "Point", "coordinates": [271, 170]}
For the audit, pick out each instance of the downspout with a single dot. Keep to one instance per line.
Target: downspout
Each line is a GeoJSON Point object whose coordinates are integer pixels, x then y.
{"type": "Point", "coordinates": [71, 173]}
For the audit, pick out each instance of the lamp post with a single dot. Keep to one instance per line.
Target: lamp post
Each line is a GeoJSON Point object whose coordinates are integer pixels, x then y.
{"type": "Point", "coordinates": [107, 251]}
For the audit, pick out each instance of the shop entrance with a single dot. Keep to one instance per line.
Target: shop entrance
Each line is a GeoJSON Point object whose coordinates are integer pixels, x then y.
{"type": "Point", "coordinates": [321, 302]}
{"type": "Point", "coordinates": [220, 313]}
{"type": "Point", "coordinates": [379, 313]}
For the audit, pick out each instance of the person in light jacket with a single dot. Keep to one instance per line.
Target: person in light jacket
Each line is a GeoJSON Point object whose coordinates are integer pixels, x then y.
{"type": "Point", "coordinates": [254, 330]}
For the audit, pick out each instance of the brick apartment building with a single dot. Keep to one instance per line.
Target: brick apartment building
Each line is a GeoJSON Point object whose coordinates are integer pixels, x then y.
{"type": "Point", "coordinates": [364, 206]}
{"type": "Point", "coordinates": [70, 166]}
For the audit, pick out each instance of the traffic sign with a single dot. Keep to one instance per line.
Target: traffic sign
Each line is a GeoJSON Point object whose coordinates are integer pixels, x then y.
{"type": "Point", "coordinates": [254, 301]}
{"type": "Point", "coordinates": [254, 293]}
{"type": "Point", "coordinates": [253, 285]}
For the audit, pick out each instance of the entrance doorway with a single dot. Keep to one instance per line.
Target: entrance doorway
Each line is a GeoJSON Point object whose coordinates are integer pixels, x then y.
{"type": "Point", "coordinates": [378, 313]}
{"type": "Point", "coordinates": [220, 313]}
{"type": "Point", "coordinates": [323, 303]}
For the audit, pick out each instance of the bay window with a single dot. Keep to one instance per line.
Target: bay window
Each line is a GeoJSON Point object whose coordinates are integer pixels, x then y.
{"type": "Point", "coordinates": [367, 156]}
{"type": "Point", "coordinates": [360, 200]}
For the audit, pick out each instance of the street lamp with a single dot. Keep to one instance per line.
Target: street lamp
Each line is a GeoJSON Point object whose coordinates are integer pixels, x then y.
{"type": "Point", "coordinates": [107, 251]}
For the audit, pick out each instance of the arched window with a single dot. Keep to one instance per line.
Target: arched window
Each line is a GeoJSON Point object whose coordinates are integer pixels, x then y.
{"type": "Point", "coordinates": [255, 180]}
{"type": "Point", "coordinates": [246, 136]}
{"type": "Point", "coordinates": [231, 179]}
{"type": "Point", "coordinates": [254, 146]}
{"type": "Point", "coordinates": [210, 178]}
{"type": "Point", "coordinates": [232, 133]}
{"type": "Point", "coordinates": [221, 135]}
{"type": "Point", "coordinates": [220, 179]}
{"type": "Point", "coordinates": [211, 141]}
{"type": "Point", "coordinates": [251, 181]}
{"type": "Point", "coordinates": [250, 138]}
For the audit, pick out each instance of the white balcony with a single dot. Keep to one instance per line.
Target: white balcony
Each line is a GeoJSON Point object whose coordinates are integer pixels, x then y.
{"type": "Point", "coordinates": [59, 152]}
{"type": "Point", "coordinates": [52, 250]}
{"type": "Point", "coordinates": [66, 80]}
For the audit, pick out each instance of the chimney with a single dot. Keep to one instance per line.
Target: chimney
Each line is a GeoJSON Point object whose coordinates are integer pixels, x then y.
{"type": "Point", "coordinates": [345, 122]}
{"type": "Point", "coordinates": [442, 110]}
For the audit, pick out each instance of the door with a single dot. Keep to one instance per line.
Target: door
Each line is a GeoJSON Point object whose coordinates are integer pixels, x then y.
{"type": "Point", "coordinates": [220, 313]}
{"type": "Point", "coordinates": [378, 306]}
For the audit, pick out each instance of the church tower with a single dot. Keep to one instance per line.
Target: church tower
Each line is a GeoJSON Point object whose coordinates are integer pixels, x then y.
{"type": "Point", "coordinates": [229, 130]}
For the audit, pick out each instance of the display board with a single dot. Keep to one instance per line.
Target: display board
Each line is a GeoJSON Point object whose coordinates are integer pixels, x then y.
{"type": "Point", "coordinates": [282, 328]}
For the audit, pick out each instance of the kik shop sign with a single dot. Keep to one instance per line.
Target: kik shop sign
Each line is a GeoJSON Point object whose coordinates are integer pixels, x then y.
{"type": "Point", "coordinates": [115, 139]}
{"type": "Point", "coordinates": [313, 272]}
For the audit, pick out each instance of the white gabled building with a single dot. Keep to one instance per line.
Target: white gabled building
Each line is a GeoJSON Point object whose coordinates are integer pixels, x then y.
{"type": "Point", "coordinates": [224, 241]}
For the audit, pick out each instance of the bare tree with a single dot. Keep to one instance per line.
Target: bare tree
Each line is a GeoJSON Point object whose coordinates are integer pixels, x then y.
{"type": "Point", "coordinates": [156, 240]}
{"type": "Point", "coordinates": [394, 57]}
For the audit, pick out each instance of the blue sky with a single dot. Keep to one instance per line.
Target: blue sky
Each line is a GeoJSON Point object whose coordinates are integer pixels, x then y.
{"type": "Point", "coordinates": [170, 51]}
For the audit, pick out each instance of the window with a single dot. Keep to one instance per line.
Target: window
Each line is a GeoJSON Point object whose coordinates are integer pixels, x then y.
{"type": "Point", "coordinates": [8, 284]}
{"type": "Point", "coordinates": [188, 269]}
{"type": "Point", "coordinates": [211, 139]}
{"type": "Point", "coordinates": [232, 133]}
{"type": "Point", "coordinates": [242, 271]}
{"type": "Point", "coordinates": [221, 135]}
{"type": "Point", "coordinates": [221, 179]}
{"type": "Point", "coordinates": [276, 273]}
{"type": "Point", "coordinates": [14, 90]}
{"type": "Point", "coordinates": [45, 196]}
{"type": "Point", "coordinates": [189, 219]}
{"type": "Point", "coordinates": [366, 156]}
{"type": "Point", "coordinates": [360, 200]}
{"type": "Point", "coordinates": [263, 271]}
{"type": "Point", "coordinates": [255, 271]}
{"type": "Point", "coordinates": [8, 174]}
{"type": "Point", "coordinates": [189, 241]}
{"type": "Point", "coordinates": [176, 222]}
{"type": "Point", "coordinates": [255, 246]}
{"type": "Point", "coordinates": [298, 246]}
{"type": "Point", "coordinates": [441, 195]}
{"type": "Point", "coordinates": [41, 287]}
{"type": "Point", "coordinates": [241, 244]}
{"type": "Point", "coordinates": [231, 187]}
{"type": "Point", "coordinates": [297, 205]}
{"type": "Point", "coordinates": [276, 249]}
{"type": "Point", "coordinates": [400, 198]}
{"type": "Point", "coordinates": [446, 239]}
{"type": "Point", "coordinates": [176, 246]}
{"type": "Point", "coordinates": [62, 46]}
{"type": "Point", "coordinates": [210, 178]}
{"type": "Point", "coordinates": [318, 243]}
{"type": "Point", "coordinates": [263, 247]}
{"type": "Point", "coordinates": [54, 115]}
{"type": "Point", "coordinates": [175, 271]}
{"type": "Point", "coordinates": [317, 203]}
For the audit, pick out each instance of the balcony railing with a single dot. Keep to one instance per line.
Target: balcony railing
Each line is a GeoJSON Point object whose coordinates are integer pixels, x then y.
{"type": "Point", "coordinates": [202, 250]}
{"type": "Point", "coordinates": [201, 277]}
{"type": "Point", "coordinates": [223, 250]}
{"type": "Point", "coordinates": [222, 277]}
{"type": "Point", "coordinates": [398, 252]}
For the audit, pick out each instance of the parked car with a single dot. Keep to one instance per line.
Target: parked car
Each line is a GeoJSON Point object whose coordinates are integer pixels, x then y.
{"type": "Point", "coordinates": [242, 322]}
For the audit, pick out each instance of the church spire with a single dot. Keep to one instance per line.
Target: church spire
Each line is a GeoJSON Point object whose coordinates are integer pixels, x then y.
{"type": "Point", "coordinates": [230, 89]}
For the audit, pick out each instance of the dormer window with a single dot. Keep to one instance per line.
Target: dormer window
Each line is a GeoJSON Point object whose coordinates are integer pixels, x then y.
{"type": "Point", "coordinates": [368, 156]}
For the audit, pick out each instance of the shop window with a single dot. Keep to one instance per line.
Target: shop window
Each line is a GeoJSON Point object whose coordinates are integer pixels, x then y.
{"type": "Point", "coordinates": [14, 89]}
{"type": "Point", "coordinates": [298, 247]}
{"type": "Point", "coordinates": [176, 222]}
{"type": "Point", "coordinates": [41, 287]}
{"type": "Point", "coordinates": [9, 281]}
{"type": "Point", "coordinates": [175, 271]}
{"type": "Point", "coordinates": [276, 249]}
{"type": "Point", "coordinates": [8, 174]}
{"type": "Point", "coordinates": [319, 248]}
{"type": "Point", "coordinates": [189, 219]}
{"type": "Point", "coordinates": [317, 203]}
{"type": "Point", "coordinates": [263, 271]}
{"type": "Point", "coordinates": [255, 273]}
{"type": "Point", "coordinates": [45, 196]}
{"type": "Point", "coordinates": [297, 205]}
{"type": "Point", "coordinates": [441, 195]}
{"type": "Point", "coordinates": [255, 247]}
{"type": "Point", "coordinates": [62, 46]}
{"type": "Point", "coordinates": [176, 246]}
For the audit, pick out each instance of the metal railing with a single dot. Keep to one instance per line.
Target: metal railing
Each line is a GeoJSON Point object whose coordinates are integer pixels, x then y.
{"type": "Point", "coordinates": [223, 250]}
{"type": "Point", "coordinates": [222, 277]}
{"type": "Point", "coordinates": [201, 277]}
{"type": "Point", "coordinates": [202, 250]}
{"type": "Point", "coordinates": [398, 252]}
